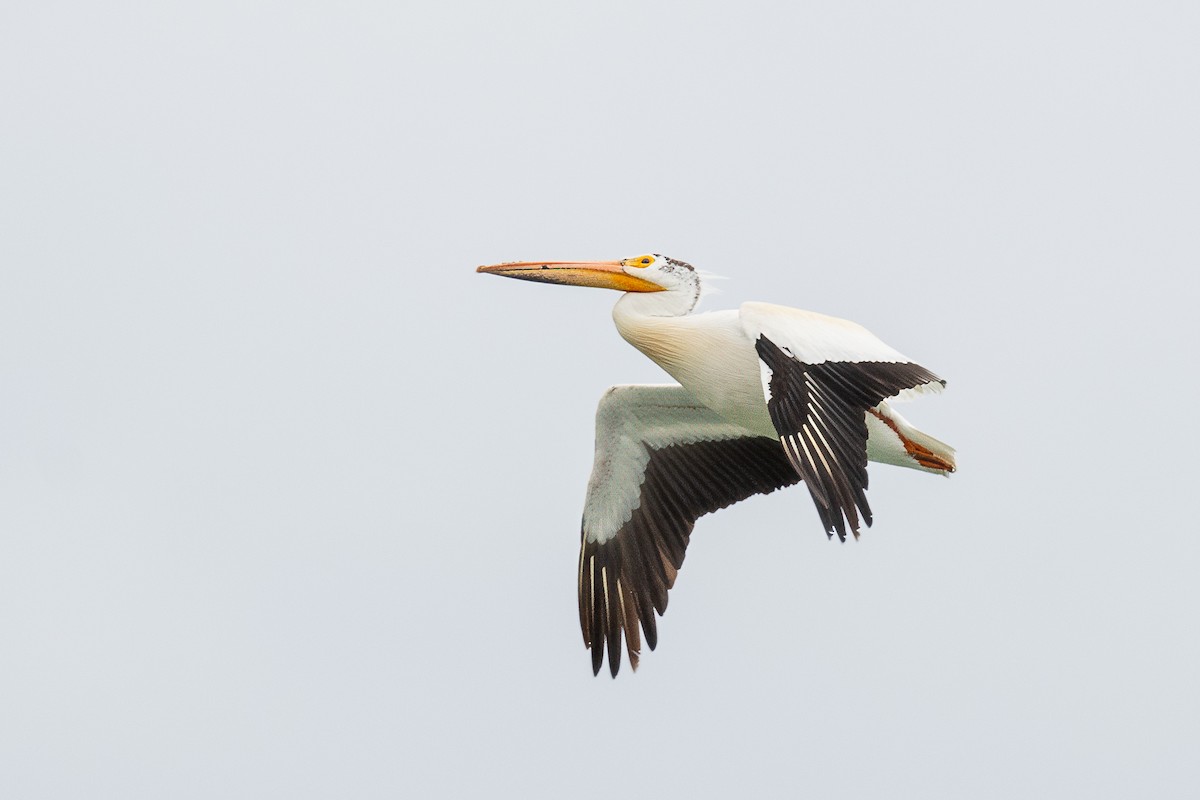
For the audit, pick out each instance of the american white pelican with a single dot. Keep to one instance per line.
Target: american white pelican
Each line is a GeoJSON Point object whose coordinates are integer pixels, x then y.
{"type": "Point", "coordinates": [769, 396]}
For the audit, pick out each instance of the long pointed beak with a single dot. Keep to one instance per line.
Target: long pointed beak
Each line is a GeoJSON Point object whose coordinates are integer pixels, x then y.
{"type": "Point", "coordinates": [600, 274]}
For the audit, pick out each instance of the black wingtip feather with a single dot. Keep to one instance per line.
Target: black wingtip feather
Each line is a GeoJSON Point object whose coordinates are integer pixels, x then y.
{"type": "Point", "coordinates": [824, 406]}
{"type": "Point", "coordinates": [639, 564]}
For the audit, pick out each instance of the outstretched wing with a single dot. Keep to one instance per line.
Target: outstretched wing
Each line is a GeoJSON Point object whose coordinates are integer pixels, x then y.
{"type": "Point", "coordinates": [662, 461]}
{"type": "Point", "coordinates": [821, 375]}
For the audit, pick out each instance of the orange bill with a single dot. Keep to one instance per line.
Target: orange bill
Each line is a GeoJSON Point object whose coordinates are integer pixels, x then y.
{"type": "Point", "coordinates": [600, 274]}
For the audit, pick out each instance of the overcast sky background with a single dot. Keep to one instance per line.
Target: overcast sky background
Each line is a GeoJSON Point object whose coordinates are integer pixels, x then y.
{"type": "Point", "coordinates": [289, 496]}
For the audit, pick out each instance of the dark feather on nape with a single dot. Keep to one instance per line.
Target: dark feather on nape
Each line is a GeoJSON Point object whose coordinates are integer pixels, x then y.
{"type": "Point", "coordinates": [674, 262]}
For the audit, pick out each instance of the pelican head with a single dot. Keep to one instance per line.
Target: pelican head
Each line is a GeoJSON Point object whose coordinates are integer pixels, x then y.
{"type": "Point", "coordinates": [652, 272]}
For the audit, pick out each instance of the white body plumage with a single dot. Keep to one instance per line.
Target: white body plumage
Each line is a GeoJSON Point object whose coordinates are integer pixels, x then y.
{"type": "Point", "coordinates": [767, 396]}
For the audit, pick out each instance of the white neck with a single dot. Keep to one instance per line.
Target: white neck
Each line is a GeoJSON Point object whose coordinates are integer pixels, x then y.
{"type": "Point", "coordinates": [647, 320]}
{"type": "Point", "coordinates": [670, 303]}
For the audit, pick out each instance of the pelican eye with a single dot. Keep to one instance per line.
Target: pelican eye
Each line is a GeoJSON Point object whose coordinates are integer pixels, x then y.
{"type": "Point", "coordinates": [641, 262]}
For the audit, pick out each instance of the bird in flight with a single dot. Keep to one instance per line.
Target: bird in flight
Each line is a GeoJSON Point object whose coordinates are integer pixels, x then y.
{"type": "Point", "coordinates": [767, 397]}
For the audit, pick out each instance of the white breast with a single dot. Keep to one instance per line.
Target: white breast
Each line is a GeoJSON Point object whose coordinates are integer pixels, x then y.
{"type": "Point", "coordinates": [710, 355]}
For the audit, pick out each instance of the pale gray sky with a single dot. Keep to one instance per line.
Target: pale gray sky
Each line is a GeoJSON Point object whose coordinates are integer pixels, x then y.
{"type": "Point", "coordinates": [289, 496]}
